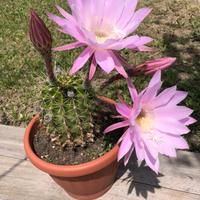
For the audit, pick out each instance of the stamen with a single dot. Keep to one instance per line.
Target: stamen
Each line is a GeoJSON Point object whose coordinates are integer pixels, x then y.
{"type": "Point", "coordinates": [101, 37]}
{"type": "Point", "coordinates": [105, 31]}
{"type": "Point", "coordinates": [145, 121]}
{"type": "Point", "coordinates": [155, 138]}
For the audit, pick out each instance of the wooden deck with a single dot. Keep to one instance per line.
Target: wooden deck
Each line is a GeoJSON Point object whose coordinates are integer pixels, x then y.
{"type": "Point", "coordinates": [19, 180]}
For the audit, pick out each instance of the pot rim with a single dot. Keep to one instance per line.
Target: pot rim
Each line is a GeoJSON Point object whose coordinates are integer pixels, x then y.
{"type": "Point", "coordinates": [66, 170]}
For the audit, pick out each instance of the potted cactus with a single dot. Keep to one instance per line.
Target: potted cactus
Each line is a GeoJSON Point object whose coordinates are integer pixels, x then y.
{"type": "Point", "coordinates": [69, 137]}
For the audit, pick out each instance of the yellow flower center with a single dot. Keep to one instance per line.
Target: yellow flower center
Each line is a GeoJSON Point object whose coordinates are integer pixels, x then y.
{"type": "Point", "coordinates": [145, 121]}
{"type": "Point", "coordinates": [101, 36]}
{"type": "Point", "coordinates": [103, 30]}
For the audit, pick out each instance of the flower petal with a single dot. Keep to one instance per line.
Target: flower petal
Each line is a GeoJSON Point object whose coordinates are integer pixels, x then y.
{"type": "Point", "coordinates": [71, 3]}
{"type": "Point", "coordinates": [138, 17]}
{"type": "Point", "coordinates": [71, 29]}
{"type": "Point", "coordinates": [176, 112]}
{"type": "Point", "coordinates": [128, 155]}
{"type": "Point", "coordinates": [155, 79]}
{"type": "Point", "coordinates": [105, 60]}
{"type": "Point", "coordinates": [124, 43]}
{"type": "Point", "coordinates": [127, 12]}
{"type": "Point", "coordinates": [167, 150]}
{"type": "Point", "coordinates": [150, 94]}
{"type": "Point", "coordinates": [123, 109]}
{"type": "Point", "coordinates": [144, 48]}
{"type": "Point", "coordinates": [125, 145]}
{"type": "Point", "coordinates": [118, 66]}
{"type": "Point", "coordinates": [117, 6]}
{"type": "Point", "coordinates": [121, 138]}
{"type": "Point", "coordinates": [69, 46]}
{"type": "Point", "coordinates": [175, 141]}
{"type": "Point", "coordinates": [116, 126]}
{"type": "Point", "coordinates": [138, 143]}
{"type": "Point", "coordinates": [171, 126]}
{"type": "Point", "coordinates": [121, 99]}
{"type": "Point", "coordinates": [152, 148]}
{"type": "Point", "coordinates": [58, 20]}
{"type": "Point", "coordinates": [167, 143]}
{"type": "Point", "coordinates": [81, 60]}
{"type": "Point", "coordinates": [152, 162]}
{"type": "Point", "coordinates": [93, 67]}
{"type": "Point", "coordinates": [132, 90]}
{"type": "Point", "coordinates": [140, 42]}
{"type": "Point", "coordinates": [152, 89]}
{"type": "Point", "coordinates": [67, 26]}
{"type": "Point", "coordinates": [77, 8]}
{"type": "Point", "coordinates": [65, 14]}
{"type": "Point", "coordinates": [154, 165]}
{"type": "Point", "coordinates": [188, 121]}
{"type": "Point", "coordinates": [164, 97]}
{"type": "Point", "coordinates": [178, 97]}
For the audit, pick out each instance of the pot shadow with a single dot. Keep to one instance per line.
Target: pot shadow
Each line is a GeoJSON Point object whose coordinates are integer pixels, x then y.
{"type": "Point", "coordinates": [138, 177]}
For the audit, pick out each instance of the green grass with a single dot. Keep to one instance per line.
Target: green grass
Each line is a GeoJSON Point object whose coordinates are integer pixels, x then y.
{"type": "Point", "coordinates": [174, 25]}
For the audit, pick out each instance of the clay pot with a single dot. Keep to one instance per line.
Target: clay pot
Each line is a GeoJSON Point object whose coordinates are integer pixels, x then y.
{"type": "Point", "coordinates": [85, 181]}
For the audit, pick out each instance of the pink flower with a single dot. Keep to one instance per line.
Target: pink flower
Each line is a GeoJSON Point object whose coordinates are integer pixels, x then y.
{"type": "Point", "coordinates": [103, 27]}
{"type": "Point", "coordinates": [155, 123]}
{"type": "Point", "coordinates": [151, 66]}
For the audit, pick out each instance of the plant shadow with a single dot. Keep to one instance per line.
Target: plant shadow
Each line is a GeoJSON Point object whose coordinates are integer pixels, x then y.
{"type": "Point", "coordinates": [139, 178]}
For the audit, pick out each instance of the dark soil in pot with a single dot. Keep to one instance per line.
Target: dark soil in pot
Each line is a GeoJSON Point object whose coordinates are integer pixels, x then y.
{"type": "Point", "coordinates": [49, 151]}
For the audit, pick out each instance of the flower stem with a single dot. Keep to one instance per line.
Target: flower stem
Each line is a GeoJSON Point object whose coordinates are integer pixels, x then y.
{"type": "Point", "coordinates": [49, 68]}
{"type": "Point", "coordinates": [87, 82]}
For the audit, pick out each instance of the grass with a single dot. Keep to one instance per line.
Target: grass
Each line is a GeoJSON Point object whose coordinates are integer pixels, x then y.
{"type": "Point", "coordinates": [174, 25]}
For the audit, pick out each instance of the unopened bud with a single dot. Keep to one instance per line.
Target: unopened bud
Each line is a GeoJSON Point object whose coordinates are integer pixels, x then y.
{"type": "Point", "coordinates": [152, 66]}
{"type": "Point", "coordinates": [39, 34]}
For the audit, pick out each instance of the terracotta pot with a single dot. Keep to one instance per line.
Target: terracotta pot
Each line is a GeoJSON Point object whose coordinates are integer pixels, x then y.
{"type": "Point", "coordinates": [85, 181]}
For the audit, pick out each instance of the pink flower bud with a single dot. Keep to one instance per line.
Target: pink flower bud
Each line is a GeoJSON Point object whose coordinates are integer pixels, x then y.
{"type": "Point", "coordinates": [42, 41]}
{"type": "Point", "coordinates": [152, 66]}
{"type": "Point", "coordinates": [39, 34]}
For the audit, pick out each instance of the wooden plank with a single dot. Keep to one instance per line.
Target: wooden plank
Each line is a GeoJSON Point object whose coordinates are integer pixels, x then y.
{"type": "Point", "coordinates": [11, 141]}
{"type": "Point", "coordinates": [137, 191]}
{"type": "Point", "coordinates": [19, 180]}
{"type": "Point", "coordinates": [181, 173]}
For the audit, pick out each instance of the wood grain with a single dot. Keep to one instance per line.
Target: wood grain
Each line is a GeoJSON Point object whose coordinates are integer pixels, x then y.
{"type": "Point", "coordinates": [11, 141]}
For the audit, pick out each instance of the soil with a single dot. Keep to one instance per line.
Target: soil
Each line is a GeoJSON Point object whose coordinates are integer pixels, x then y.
{"type": "Point", "coordinates": [56, 154]}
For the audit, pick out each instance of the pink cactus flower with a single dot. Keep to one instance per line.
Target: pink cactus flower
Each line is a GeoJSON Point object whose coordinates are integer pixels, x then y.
{"type": "Point", "coordinates": [103, 27]}
{"type": "Point", "coordinates": [155, 123]}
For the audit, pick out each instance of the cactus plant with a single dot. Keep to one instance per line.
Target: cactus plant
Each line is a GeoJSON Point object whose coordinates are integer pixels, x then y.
{"type": "Point", "coordinates": [68, 109]}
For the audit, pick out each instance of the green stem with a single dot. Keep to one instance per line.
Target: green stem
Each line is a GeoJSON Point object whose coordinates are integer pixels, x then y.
{"type": "Point", "coordinates": [49, 68]}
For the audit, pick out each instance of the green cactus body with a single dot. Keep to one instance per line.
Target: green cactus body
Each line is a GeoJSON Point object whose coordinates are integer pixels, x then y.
{"type": "Point", "coordinates": [68, 109]}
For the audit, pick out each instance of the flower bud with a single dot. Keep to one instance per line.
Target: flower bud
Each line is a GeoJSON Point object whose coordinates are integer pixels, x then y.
{"type": "Point", "coordinates": [39, 34]}
{"type": "Point", "coordinates": [42, 41]}
{"type": "Point", "coordinates": [151, 66]}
